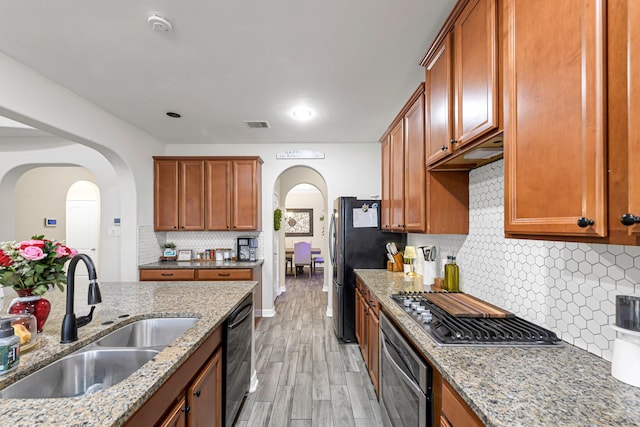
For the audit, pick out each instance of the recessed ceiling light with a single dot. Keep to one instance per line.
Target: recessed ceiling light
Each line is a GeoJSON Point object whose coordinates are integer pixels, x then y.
{"type": "Point", "coordinates": [174, 115]}
{"type": "Point", "coordinates": [302, 113]}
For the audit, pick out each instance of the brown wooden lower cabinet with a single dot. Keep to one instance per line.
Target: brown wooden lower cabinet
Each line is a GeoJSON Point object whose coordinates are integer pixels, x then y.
{"type": "Point", "coordinates": [368, 331]}
{"type": "Point", "coordinates": [192, 395]}
{"type": "Point", "coordinates": [209, 274]}
{"type": "Point", "coordinates": [455, 412]}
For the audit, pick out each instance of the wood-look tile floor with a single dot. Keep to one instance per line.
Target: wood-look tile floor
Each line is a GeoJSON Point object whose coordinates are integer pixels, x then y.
{"type": "Point", "coordinates": [306, 376]}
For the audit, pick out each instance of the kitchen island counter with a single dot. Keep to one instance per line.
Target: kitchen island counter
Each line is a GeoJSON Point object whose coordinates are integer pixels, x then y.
{"type": "Point", "coordinates": [516, 386]}
{"type": "Point", "coordinates": [211, 302]}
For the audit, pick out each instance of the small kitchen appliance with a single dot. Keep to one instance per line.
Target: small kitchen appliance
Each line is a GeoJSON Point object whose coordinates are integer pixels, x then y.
{"type": "Point", "coordinates": [626, 348]}
{"type": "Point", "coordinates": [247, 248]}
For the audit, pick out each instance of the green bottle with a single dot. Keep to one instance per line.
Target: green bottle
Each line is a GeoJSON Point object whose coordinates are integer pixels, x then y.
{"type": "Point", "coordinates": [451, 275]}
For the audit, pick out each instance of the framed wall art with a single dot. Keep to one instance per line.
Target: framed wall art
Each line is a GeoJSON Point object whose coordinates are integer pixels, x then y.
{"type": "Point", "coordinates": [298, 222]}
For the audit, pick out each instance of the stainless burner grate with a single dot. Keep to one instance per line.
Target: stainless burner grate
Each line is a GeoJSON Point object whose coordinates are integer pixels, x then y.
{"type": "Point", "coordinates": [450, 330]}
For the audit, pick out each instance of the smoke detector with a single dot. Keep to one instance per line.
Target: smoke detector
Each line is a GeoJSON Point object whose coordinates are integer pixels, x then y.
{"type": "Point", "coordinates": [158, 23]}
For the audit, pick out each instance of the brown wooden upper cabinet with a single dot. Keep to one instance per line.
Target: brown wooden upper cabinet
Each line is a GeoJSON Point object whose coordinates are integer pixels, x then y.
{"type": "Point", "coordinates": [569, 141]}
{"type": "Point", "coordinates": [413, 198]}
{"type": "Point", "coordinates": [632, 32]}
{"type": "Point", "coordinates": [403, 182]}
{"type": "Point", "coordinates": [179, 195]}
{"type": "Point", "coordinates": [207, 193]}
{"type": "Point", "coordinates": [463, 104]}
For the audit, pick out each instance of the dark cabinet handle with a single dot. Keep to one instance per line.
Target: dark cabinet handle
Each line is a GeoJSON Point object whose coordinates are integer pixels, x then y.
{"type": "Point", "coordinates": [197, 393]}
{"type": "Point", "coordinates": [585, 222]}
{"type": "Point", "coordinates": [167, 274]}
{"type": "Point", "coordinates": [629, 219]}
{"type": "Point", "coordinates": [224, 274]}
{"type": "Point", "coordinates": [443, 148]}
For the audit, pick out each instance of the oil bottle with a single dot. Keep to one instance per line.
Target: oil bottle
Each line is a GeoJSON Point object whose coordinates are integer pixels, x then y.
{"type": "Point", "coordinates": [451, 275]}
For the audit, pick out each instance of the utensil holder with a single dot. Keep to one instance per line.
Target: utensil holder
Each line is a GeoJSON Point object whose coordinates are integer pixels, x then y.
{"type": "Point", "coordinates": [398, 264]}
{"type": "Point", "coordinates": [429, 272]}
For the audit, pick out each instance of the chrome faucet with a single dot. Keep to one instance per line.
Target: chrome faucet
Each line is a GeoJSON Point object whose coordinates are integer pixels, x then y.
{"type": "Point", "coordinates": [70, 324]}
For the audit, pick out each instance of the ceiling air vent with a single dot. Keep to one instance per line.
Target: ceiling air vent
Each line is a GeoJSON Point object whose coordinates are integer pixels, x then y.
{"type": "Point", "coordinates": [257, 124]}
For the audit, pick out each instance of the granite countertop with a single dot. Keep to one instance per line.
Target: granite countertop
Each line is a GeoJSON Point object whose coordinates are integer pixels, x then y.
{"type": "Point", "coordinates": [209, 301]}
{"type": "Point", "coordinates": [161, 265]}
{"type": "Point", "coordinates": [510, 387]}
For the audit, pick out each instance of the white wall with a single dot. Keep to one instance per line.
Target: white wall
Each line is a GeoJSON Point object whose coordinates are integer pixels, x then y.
{"type": "Point", "coordinates": [30, 98]}
{"type": "Point", "coordinates": [347, 169]}
{"type": "Point", "coordinates": [42, 193]}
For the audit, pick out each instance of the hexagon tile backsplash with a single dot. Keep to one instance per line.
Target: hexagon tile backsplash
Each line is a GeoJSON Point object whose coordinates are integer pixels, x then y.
{"type": "Point", "coordinates": [567, 287]}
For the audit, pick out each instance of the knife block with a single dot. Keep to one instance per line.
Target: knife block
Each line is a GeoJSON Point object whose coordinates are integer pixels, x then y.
{"type": "Point", "coordinates": [398, 265]}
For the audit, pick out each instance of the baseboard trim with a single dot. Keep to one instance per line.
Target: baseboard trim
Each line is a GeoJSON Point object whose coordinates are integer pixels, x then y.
{"type": "Point", "coordinates": [271, 312]}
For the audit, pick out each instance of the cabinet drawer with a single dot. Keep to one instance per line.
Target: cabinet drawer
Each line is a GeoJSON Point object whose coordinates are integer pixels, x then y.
{"type": "Point", "coordinates": [224, 274]}
{"type": "Point", "coordinates": [170, 275]}
{"type": "Point", "coordinates": [455, 410]}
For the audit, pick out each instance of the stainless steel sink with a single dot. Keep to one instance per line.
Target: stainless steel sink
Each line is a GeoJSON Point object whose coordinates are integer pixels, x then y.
{"type": "Point", "coordinates": [80, 373]}
{"type": "Point", "coordinates": [103, 363]}
{"type": "Point", "coordinates": [157, 333]}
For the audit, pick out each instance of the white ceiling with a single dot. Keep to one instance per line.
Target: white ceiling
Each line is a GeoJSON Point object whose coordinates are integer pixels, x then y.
{"type": "Point", "coordinates": [355, 62]}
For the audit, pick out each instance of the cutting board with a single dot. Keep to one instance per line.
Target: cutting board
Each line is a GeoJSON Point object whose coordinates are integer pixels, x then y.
{"type": "Point", "coordinates": [463, 305]}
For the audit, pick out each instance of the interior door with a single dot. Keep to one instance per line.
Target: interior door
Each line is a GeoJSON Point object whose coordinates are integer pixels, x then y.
{"type": "Point", "coordinates": [83, 223]}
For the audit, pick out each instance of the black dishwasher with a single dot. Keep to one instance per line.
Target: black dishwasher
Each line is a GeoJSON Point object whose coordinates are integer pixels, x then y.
{"type": "Point", "coordinates": [236, 359]}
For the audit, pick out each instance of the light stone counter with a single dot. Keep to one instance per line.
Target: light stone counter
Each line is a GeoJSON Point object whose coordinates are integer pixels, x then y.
{"type": "Point", "coordinates": [511, 387]}
{"type": "Point", "coordinates": [210, 301]}
{"type": "Point", "coordinates": [199, 264]}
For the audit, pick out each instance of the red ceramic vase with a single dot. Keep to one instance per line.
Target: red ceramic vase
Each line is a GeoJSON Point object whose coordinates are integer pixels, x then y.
{"type": "Point", "coordinates": [32, 304]}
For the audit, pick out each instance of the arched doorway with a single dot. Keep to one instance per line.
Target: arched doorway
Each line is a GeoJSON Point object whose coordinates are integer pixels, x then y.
{"type": "Point", "coordinates": [285, 182]}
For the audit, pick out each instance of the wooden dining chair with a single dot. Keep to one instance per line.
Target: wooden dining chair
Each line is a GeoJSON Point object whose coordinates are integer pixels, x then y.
{"type": "Point", "coordinates": [302, 256]}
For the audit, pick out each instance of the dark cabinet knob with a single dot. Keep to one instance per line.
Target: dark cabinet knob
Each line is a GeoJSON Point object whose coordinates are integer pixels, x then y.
{"type": "Point", "coordinates": [585, 222]}
{"type": "Point", "coordinates": [197, 393]}
{"type": "Point", "coordinates": [629, 219]}
{"type": "Point", "coordinates": [453, 141]}
{"type": "Point", "coordinates": [186, 409]}
{"type": "Point", "coordinates": [443, 148]}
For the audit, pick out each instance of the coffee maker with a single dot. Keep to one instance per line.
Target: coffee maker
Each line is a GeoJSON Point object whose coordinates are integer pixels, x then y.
{"type": "Point", "coordinates": [247, 248]}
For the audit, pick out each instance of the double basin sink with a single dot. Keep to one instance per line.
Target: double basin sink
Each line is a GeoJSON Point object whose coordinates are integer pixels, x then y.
{"type": "Point", "coordinates": [103, 363]}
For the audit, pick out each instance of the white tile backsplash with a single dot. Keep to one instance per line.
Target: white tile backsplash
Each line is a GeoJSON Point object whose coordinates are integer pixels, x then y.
{"type": "Point", "coordinates": [567, 287]}
{"type": "Point", "coordinates": [150, 242]}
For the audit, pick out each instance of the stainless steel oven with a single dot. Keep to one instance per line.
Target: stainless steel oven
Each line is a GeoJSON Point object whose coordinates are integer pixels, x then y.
{"type": "Point", "coordinates": [406, 392]}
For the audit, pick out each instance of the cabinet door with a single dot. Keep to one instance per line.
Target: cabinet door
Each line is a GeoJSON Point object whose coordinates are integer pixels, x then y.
{"type": "Point", "coordinates": [633, 71]}
{"type": "Point", "coordinates": [192, 196]}
{"type": "Point", "coordinates": [555, 159]}
{"type": "Point", "coordinates": [204, 395]}
{"type": "Point", "coordinates": [438, 89]}
{"type": "Point", "coordinates": [373, 331]}
{"type": "Point", "coordinates": [165, 195]}
{"type": "Point", "coordinates": [360, 322]}
{"type": "Point", "coordinates": [219, 181]}
{"type": "Point", "coordinates": [246, 195]}
{"type": "Point", "coordinates": [455, 410]}
{"type": "Point", "coordinates": [476, 71]}
{"type": "Point", "coordinates": [414, 183]}
{"type": "Point", "coordinates": [396, 141]}
{"type": "Point", "coordinates": [176, 416]}
{"type": "Point", "coordinates": [385, 213]}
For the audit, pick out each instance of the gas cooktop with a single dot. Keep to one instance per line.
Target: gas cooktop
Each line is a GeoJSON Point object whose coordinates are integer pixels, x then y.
{"type": "Point", "coordinates": [448, 330]}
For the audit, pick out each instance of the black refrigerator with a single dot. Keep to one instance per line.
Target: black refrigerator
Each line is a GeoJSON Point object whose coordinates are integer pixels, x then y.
{"type": "Point", "coordinates": [357, 241]}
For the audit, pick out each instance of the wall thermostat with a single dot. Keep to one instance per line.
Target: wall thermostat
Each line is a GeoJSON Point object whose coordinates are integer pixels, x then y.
{"type": "Point", "coordinates": [50, 222]}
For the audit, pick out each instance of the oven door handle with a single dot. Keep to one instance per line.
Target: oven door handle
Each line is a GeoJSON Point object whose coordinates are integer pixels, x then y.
{"type": "Point", "coordinates": [416, 389]}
